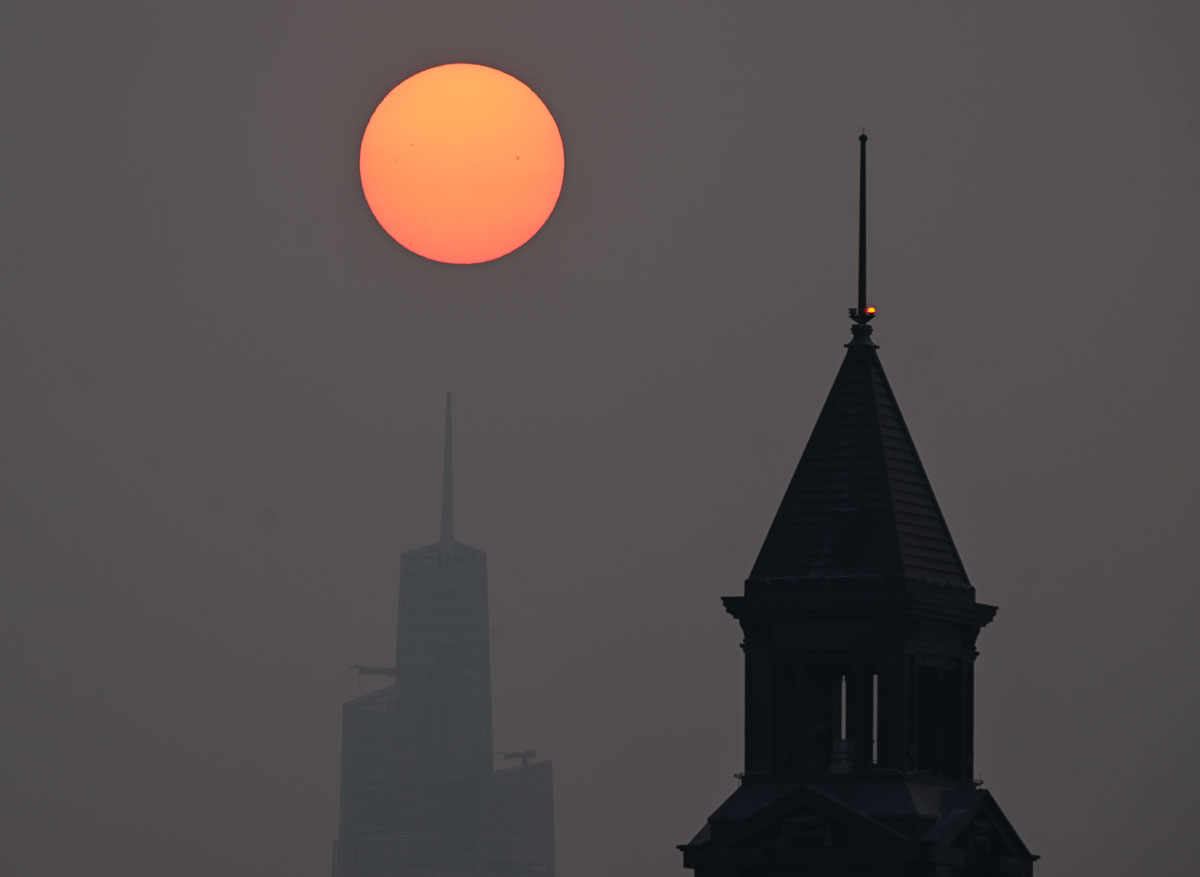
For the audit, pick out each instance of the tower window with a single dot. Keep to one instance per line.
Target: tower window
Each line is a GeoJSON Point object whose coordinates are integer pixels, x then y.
{"type": "Point", "coordinates": [841, 681]}
{"type": "Point", "coordinates": [874, 718]}
{"type": "Point", "coordinates": [939, 718]}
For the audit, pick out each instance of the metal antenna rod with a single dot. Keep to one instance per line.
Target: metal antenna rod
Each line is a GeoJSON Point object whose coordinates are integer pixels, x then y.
{"type": "Point", "coordinates": [448, 478]}
{"type": "Point", "coordinates": [862, 223]}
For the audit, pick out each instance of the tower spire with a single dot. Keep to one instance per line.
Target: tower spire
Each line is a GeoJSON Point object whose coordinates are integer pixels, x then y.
{"type": "Point", "coordinates": [863, 313]}
{"type": "Point", "coordinates": [448, 476]}
{"type": "Point", "coordinates": [862, 223]}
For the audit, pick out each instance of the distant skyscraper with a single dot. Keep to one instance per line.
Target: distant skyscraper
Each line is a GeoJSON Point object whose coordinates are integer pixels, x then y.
{"type": "Point", "coordinates": [419, 795]}
{"type": "Point", "coordinates": [859, 629]}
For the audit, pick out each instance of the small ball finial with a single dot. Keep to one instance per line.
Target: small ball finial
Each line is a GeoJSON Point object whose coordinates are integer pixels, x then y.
{"type": "Point", "coordinates": [862, 138]}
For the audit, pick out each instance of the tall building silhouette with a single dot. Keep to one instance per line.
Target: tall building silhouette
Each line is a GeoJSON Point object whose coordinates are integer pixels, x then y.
{"type": "Point", "coordinates": [859, 627]}
{"type": "Point", "coordinates": [419, 794]}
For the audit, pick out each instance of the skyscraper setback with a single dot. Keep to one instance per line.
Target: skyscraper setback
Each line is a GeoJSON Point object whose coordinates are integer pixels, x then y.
{"type": "Point", "coordinates": [419, 791]}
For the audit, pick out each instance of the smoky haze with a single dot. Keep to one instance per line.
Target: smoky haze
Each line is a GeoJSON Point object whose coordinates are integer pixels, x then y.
{"type": "Point", "coordinates": [222, 389]}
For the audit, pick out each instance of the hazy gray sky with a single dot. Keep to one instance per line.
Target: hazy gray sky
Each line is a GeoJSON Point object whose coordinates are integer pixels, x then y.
{"type": "Point", "coordinates": [222, 389]}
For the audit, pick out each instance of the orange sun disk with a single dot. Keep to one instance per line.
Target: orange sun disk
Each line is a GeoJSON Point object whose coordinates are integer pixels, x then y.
{"type": "Point", "coordinates": [461, 163]}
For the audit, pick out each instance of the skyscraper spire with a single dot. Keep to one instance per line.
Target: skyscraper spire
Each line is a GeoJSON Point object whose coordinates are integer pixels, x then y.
{"type": "Point", "coordinates": [448, 477]}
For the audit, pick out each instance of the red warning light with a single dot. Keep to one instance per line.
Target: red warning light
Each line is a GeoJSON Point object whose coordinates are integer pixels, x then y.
{"type": "Point", "coordinates": [869, 310]}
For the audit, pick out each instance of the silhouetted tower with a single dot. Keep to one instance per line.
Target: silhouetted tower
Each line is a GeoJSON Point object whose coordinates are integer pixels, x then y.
{"type": "Point", "coordinates": [419, 792]}
{"type": "Point", "coordinates": [859, 629]}
{"type": "Point", "coordinates": [442, 651]}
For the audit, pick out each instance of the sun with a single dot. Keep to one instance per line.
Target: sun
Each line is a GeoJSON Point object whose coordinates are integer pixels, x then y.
{"type": "Point", "coordinates": [461, 163]}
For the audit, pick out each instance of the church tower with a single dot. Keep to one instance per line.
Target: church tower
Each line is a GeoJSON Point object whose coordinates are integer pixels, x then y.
{"type": "Point", "coordinates": [420, 796]}
{"type": "Point", "coordinates": [859, 626]}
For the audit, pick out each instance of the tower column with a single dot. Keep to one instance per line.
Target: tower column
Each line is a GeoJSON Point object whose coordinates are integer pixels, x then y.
{"type": "Point", "coordinates": [893, 712]}
{"type": "Point", "coordinates": [968, 724]}
{"type": "Point", "coordinates": [858, 714]}
{"type": "Point", "coordinates": [757, 711]}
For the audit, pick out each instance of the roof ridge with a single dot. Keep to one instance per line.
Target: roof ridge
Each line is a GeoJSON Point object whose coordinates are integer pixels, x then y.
{"type": "Point", "coordinates": [887, 385]}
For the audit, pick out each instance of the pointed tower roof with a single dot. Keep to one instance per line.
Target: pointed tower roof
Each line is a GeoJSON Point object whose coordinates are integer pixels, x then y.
{"type": "Point", "coordinates": [859, 504]}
